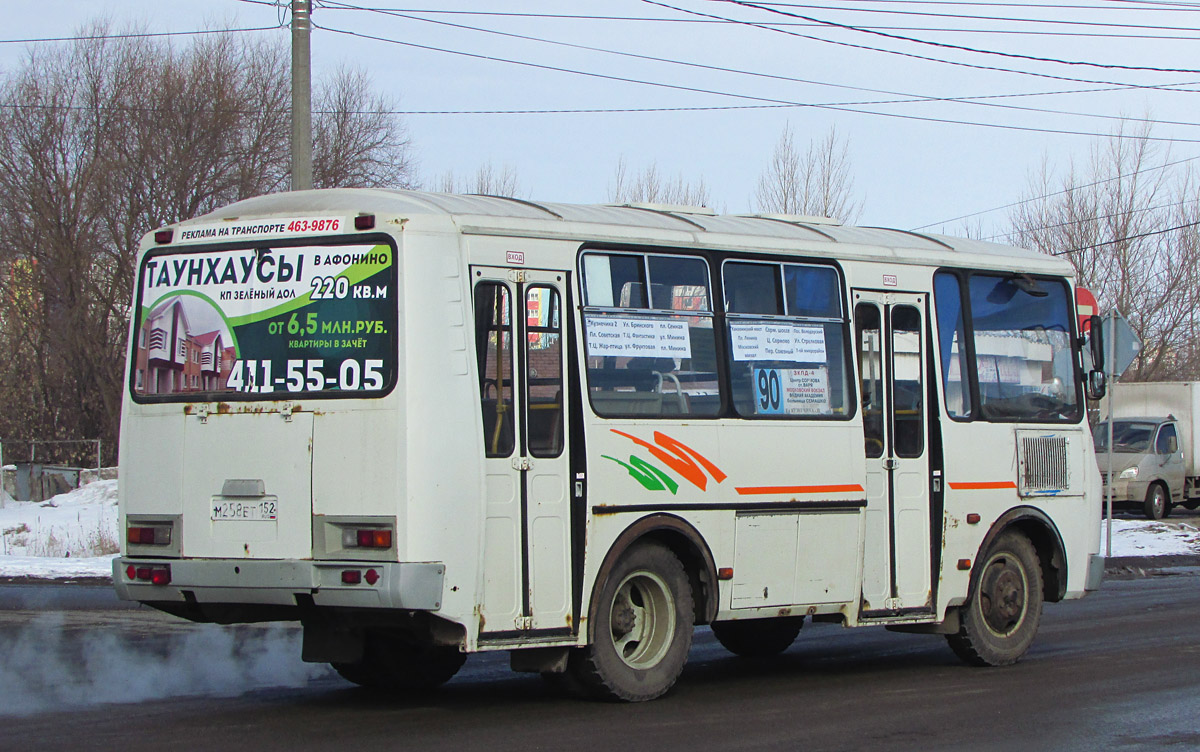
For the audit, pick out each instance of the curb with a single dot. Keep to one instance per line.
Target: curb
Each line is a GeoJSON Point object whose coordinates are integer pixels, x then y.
{"type": "Point", "coordinates": [1148, 565]}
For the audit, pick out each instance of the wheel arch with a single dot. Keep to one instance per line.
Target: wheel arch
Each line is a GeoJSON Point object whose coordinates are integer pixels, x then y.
{"type": "Point", "coordinates": [681, 539]}
{"type": "Point", "coordinates": [1047, 542]}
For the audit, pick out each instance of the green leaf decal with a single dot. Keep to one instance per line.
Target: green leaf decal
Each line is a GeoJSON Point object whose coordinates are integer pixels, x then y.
{"type": "Point", "coordinates": [651, 478]}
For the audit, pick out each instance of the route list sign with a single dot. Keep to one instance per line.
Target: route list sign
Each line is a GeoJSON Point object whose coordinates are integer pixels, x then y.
{"type": "Point", "coordinates": [798, 343]}
{"type": "Point", "coordinates": [629, 336]}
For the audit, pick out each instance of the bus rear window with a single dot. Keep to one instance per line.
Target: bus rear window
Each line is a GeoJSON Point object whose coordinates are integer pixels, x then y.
{"type": "Point", "coordinates": [266, 322]}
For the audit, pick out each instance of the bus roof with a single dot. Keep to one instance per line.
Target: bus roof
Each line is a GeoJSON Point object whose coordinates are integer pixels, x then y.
{"type": "Point", "coordinates": [645, 223]}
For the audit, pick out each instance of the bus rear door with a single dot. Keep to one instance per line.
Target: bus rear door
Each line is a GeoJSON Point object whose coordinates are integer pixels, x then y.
{"type": "Point", "coordinates": [526, 556]}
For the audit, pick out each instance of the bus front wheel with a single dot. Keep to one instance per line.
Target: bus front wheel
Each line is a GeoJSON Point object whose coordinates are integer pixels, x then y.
{"type": "Point", "coordinates": [1001, 616]}
{"type": "Point", "coordinates": [643, 628]}
{"type": "Point", "coordinates": [392, 665]}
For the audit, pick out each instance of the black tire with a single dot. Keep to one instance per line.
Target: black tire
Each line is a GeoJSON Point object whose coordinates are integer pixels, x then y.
{"type": "Point", "coordinates": [1002, 613]}
{"type": "Point", "coordinates": [642, 629]}
{"type": "Point", "coordinates": [758, 638]}
{"type": "Point", "coordinates": [1158, 502]}
{"type": "Point", "coordinates": [391, 665]}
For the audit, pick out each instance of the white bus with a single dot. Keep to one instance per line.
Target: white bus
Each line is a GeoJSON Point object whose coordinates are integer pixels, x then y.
{"type": "Point", "coordinates": [425, 425]}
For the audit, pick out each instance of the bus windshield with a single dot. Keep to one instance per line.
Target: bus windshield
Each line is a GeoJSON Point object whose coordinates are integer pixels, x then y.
{"type": "Point", "coordinates": [265, 322]}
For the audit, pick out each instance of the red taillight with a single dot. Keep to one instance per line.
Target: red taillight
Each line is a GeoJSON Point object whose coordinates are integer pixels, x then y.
{"type": "Point", "coordinates": [351, 577]}
{"type": "Point", "coordinates": [364, 222]}
{"type": "Point", "coordinates": [370, 538]}
{"type": "Point", "coordinates": [371, 577]}
{"type": "Point", "coordinates": [162, 237]}
{"type": "Point", "coordinates": [155, 575]}
{"type": "Point", "coordinates": [144, 535]}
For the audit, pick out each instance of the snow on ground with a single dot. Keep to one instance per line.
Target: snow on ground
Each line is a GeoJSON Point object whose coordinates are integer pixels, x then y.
{"type": "Point", "coordinates": [75, 535]}
{"type": "Point", "coordinates": [1133, 537]}
{"type": "Point", "coordinates": [72, 535]}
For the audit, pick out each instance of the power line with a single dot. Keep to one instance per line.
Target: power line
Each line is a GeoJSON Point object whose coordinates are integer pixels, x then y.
{"type": "Point", "coordinates": [1102, 216]}
{"type": "Point", "coordinates": [851, 45]}
{"type": "Point", "coordinates": [1127, 238]}
{"type": "Point", "coordinates": [1057, 193]}
{"type": "Point", "coordinates": [138, 35]}
{"type": "Point", "coordinates": [975, 17]}
{"type": "Point", "coordinates": [1074, 32]}
{"type": "Point", "coordinates": [959, 47]}
{"type": "Point", "coordinates": [840, 107]}
{"type": "Point", "coordinates": [912, 98]}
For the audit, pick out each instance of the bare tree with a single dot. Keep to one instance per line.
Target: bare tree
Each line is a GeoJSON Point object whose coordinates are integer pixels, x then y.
{"type": "Point", "coordinates": [818, 183]}
{"type": "Point", "coordinates": [652, 187]}
{"type": "Point", "coordinates": [1129, 229]}
{"type": "Point", "coordinates": [109, 138]}
{"type": "Point", "coordinates": [357, 141]}
{"type": "Point", "coordinates": [487, 181]}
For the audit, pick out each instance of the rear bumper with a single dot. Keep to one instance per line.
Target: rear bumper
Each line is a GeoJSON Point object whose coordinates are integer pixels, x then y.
{"type": "Point", "coordinates": [413, 586]}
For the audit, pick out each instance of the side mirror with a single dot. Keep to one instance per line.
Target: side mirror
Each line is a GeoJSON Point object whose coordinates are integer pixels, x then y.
{"type": "Point", "coordinates": [1172, 444]}
{"type": "Point", "coordinates": [1096, 339]}
{"type": "Point", "coordinates": [1096, 385]}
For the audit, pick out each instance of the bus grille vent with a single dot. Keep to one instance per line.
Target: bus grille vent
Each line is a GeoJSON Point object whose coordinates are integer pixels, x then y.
{"type": "Point", "coordinates": [1044, 468]}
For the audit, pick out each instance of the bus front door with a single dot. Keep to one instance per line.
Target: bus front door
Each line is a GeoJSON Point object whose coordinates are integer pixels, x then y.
{"type": "Point", "coordinates": [526, 547]}
{"type": "Point", "coordinates": [890, 341]}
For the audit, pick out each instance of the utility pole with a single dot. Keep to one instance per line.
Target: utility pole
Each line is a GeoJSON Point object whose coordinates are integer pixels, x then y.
{"type": "Point", "coordinates": [301, 95]}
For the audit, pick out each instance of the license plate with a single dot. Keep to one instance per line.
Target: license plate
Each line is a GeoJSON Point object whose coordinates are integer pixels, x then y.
{"type": "Point", "coordinates": [244, 509]}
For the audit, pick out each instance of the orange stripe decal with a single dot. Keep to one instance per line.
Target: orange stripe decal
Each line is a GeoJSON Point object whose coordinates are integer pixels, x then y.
{"type": "Point", "coordinates": [843, 488]}
{"type": "Point", "coordinates": [683, 461]}
{"type": "Point", "coordinates": [987, 485]}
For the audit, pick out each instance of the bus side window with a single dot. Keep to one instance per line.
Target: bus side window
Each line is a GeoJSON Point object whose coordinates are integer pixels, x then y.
{"type": "Point", "coordinates": [494, 352]}
{"type": "Point", "coordinates": [648, 331]}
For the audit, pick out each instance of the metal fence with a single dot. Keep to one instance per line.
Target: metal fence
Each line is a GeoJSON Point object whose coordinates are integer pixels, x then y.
{"type": "Point", "coordinates": [38, 469]}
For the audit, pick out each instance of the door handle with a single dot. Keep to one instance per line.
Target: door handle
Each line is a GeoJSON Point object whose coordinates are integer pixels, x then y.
{"type": "Point", "coordinates": [891, 463]}
{"type": "Point", "coordinates": [521, 463]}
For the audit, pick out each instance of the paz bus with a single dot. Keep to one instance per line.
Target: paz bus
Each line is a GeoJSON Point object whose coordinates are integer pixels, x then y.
{"type": "Point", "coordinates": [425, 425]}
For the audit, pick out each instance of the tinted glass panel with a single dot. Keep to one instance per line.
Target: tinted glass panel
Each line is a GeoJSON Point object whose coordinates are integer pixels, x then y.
{"type": "Point", "coordinates": [494, 351]}
{"type": "Point", "coordinates": [812, 291]}
{"type": "Point", "coordinates": [614, 280]}
{"type": "Point", "coordinates": [907, 385]}
{"type": "Point", "coordinates": [752, 288]}
{"type": "Point", "coordinates": [543, 378]}
{"type": "Point", "coordinates": [952, 335]}
{"type": "Point", "coordinates": [870, 367]}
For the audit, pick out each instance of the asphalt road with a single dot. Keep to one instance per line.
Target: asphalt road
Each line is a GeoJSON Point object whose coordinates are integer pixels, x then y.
{"type": "Point", "coordinates": [1117, 670]}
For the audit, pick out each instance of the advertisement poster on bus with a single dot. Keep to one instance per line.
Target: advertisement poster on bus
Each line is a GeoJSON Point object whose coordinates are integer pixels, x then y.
{"type": "Point", "coordinates": [267, 320]}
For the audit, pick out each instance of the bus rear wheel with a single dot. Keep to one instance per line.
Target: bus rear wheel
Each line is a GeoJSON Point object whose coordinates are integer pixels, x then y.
{"type": "Point", "coordinates": [758, 638]}
{"type": "Point", "coordinates": [642, 630]}
{"type": "Point", "coordinates": [1001, 617]}
{"type": "Point", "coordinates": [391, 665]}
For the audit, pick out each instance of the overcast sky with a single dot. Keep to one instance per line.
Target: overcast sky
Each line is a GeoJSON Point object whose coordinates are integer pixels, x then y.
{"type": "Point", "coordinates": [911, 169]}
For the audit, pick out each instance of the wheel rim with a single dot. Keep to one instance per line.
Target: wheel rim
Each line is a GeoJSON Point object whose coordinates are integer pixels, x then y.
{"type": "Point", "coordinates": [1160, 501]}
{"type": "Point", "coordinates": [1003, 594]}
{"type": "Point", "coordinates": [642, 620]}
